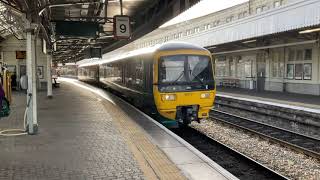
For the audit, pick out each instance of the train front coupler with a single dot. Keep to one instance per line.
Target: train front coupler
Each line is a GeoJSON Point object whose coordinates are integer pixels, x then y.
{"type": "Point", "coordinates": [186, 114]}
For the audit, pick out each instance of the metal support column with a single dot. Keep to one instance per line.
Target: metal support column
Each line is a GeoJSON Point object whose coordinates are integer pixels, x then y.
{"type": "Point", "coordinates": [121, 8]}
{"type": "Point", "coordinates": [32, 84]}
{"type": "Point", "coordinates": [49, 78]}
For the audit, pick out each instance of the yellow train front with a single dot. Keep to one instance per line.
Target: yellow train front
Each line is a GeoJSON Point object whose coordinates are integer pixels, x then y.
{"type": "Point", "coordinates": [173, 82]}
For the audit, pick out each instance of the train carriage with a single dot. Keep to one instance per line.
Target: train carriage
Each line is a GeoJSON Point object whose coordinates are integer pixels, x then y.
{"type": "Point", "coordinates": [174, 81]}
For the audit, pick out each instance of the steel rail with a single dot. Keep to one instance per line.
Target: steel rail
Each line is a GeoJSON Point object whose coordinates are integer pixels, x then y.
{"type": "Point", "coordinates": [277, 135]}
{"type": "Point", "coordinates": [228, 151]}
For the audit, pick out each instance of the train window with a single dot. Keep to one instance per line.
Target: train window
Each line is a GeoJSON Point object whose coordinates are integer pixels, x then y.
{"type": "Point", "coordinates": [172, 69]}
{"type": "Point", "coordinates": [134, 77]}
{"type": "Point", "coordinates": [139, 78]}
{"type": "Point", "coordinates": [115, 73]}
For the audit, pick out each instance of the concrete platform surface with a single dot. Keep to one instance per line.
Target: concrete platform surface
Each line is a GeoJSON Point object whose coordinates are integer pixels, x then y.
{"type": "Point", "coordinates": [295, 101]}
{"type": "Point", "coordinates": [86, 133]}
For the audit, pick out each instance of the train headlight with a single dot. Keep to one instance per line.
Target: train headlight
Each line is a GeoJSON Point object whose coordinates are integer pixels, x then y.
{"type": "Point", "coordinates": [205, 95]}
{"type": "Point", "coordinates": [169, 97]}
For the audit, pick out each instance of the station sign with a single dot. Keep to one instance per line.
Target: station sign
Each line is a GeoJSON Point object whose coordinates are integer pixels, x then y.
{"type": "Point", "coordinates": [121, 27]}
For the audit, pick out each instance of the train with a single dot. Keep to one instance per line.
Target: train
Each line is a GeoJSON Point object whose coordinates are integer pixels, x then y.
{"type": "Point", "coordinates": [174, 81]}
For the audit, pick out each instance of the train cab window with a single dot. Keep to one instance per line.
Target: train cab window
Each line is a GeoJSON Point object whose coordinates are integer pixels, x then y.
{"type": "Point", "coordinates": [172, 69]}
{"type": "Point", "coordinates": [185, 72]}
{"type": "Point", "coordinates": [199, 68]}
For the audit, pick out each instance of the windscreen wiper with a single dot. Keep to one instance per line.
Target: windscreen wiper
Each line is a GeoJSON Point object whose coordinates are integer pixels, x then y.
{"type": "Point", "coordinates": [197, 77]}
{"type": "Point", "coordinates": [181, 74]}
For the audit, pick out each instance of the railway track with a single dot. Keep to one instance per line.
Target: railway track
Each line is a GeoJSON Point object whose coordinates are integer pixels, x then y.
{"type": "Point", "coordinates": [298, 142]}
{"type": "Point", "coordinates": [233, 161]}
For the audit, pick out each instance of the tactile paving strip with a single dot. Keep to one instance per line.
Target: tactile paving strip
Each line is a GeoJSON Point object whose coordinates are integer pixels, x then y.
{"type": "Point", "coordinates": [159, 163]}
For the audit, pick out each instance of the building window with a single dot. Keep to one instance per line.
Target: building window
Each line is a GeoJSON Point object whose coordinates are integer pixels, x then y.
{"type": "Point", "coordinates": [206, 26]}
{"type": "Point", "coordinates": [248, 68]}
{"type": "Point", "coordinates": [188, 32]}
{"type": "Point", "coordinates": [291, 55]}
{"type": "Point", "coordinates": [308, 54]}
{"type": "Point", "coordinates": [307, 71]}
{"type": "Point", "coordinates": [242, 14]}
{"type": "Point", "coordinates": [299, 55]}
{"type": "Point", "coordinates": [277, 4]}
{"type": "Point", "coordinates": [275, 64]}
{"type": "Point", "coordinates": [258, 10]}
{"type": "Point", "coordinates": [216, 23]}
{"type": "Point", "coordinates": [229, 19]}
{"type": "Point", "coordinates": [298, 71]}
{"type": "Point", "coordinates": [264, 8]}
{"type": "Point", "coordinates": [197, 29]}
{"type": "Point", "coordinates": [221, 67]}
{"type": "Point", "coordinates": [290, 71]}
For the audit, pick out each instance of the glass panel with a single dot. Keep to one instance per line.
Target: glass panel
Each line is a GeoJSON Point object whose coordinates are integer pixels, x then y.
{"type": "Point", "coordinates": [290, 71]}
{"type": "Point", "coordinates": [185, 73]}
{"type": "Point", "coordinates": [291, 55]}
{"type": "Point", "coordinates": [299, 55]}
{"type": "Point", "coordinates": [172, 69]}
{"type": "Point", "coordinates": [232, 66]}
{"type": "Point", "coordinates": [277, 4]}
{"type": "Point", "coordinates": [240, 68]}
{"type": "Point", "coordinates": [258, 10]}
{"type": "Point", "coordinates": [200, 69]}
{"type": "Point", "coordinates": [264, 8]}
{"type": "Point", "coordinates": [275, 64]}
{"type": "Point", "coordinates": [308, 54]}
{"type": "Point", "coordinates": [247, 68]}
{"type": "Point", "coordinates": [307, 71]}
{"type": "Point", "coordinates": [281, 68]}
{"type": "Point", "coordinates": [298, 71]}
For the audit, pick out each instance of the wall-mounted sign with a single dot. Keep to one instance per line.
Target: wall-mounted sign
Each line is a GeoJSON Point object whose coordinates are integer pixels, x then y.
{"type": "Point", "coordinates": [21, 55]}
{"type": "Point", "coordinates": [121, 28]}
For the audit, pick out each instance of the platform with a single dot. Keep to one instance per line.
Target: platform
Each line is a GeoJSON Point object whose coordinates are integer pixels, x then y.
{"type": "Point", "coordinates": [288, 100]}
{"type": "Point", "coordinates": [86, 133]}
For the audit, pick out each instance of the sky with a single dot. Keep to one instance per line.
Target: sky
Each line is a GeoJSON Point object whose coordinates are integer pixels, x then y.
{"type": "Point", "coordinates": [203, 8]}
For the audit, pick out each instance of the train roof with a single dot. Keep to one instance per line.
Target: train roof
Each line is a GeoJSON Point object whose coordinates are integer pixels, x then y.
{"type": "Point", "coordinates": [169, 46]}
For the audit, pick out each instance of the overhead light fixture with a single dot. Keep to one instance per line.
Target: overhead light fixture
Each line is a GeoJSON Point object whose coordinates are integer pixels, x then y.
{"type": "Point", "coordinates": [250, 41]}
{"type": "Point", "coordinates": [309, 31]}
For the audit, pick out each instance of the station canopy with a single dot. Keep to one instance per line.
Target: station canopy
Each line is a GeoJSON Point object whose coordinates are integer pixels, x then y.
{"type": "Point", "coordinates": [60, 21]}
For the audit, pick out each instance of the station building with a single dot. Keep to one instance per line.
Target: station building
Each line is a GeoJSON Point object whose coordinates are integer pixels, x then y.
{"type": "Point", "coordinates": [270, 45]}
{"type": "Point", "coordinates": [13, 57]}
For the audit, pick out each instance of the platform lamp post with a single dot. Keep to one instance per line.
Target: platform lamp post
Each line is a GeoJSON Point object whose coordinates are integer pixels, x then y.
{"type": "Point", "coordinates": [32, 123]}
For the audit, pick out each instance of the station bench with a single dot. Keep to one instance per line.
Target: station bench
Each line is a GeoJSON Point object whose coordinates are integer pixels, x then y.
{"type": "Point", "coordinates": [234, 83]}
